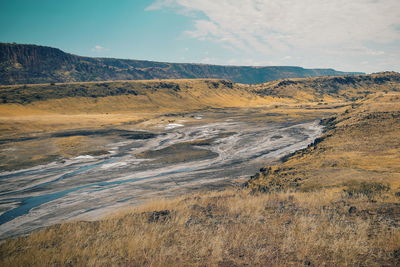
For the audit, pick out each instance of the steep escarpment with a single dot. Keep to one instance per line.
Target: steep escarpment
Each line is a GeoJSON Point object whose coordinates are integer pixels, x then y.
{"type": "Point", "coordinates": [25, 64]}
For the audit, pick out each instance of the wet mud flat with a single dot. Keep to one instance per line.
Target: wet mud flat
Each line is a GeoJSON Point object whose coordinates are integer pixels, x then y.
{"type": "Point", "coordinates": [184, 153]}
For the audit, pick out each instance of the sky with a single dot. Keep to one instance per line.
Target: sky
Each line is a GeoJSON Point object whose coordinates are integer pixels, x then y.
{"type": "Point", "coordinates": [347, 35]}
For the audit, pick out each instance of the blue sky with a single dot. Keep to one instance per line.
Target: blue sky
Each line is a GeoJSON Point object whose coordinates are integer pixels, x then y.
{"type": "Point", "coordinates": [357, 35]}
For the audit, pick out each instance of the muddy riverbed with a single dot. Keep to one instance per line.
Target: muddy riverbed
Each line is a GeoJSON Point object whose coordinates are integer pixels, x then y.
{"type": "Point", "coordinates": [212, 149]}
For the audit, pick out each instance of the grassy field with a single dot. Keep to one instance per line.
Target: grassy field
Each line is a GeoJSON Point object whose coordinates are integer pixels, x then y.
{"type": "Point", "coordinates": [230, 228]}
{"type": "Point", "coordinates": [335, 203]}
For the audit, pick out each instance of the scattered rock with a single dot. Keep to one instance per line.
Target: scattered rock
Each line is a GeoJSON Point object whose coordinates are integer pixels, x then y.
{"type": "Point", "coordinates": [396, 254]}
{"type": "Point", "coordinates": [191, 221]}
{"type": "Point", "coordinates": [159, 216]}
{"type": "Point", "coordinates": [396, 257]}
{"type": "Point", "coordinates": [227, 263]}
{"type": "Point", "coordinates": [288, 223]}
{"type": "Point", "coordinates": [196, 207]}
{"type": "Point", "coordinates": [286, 82]}
{"type": "Point", "coordinates": [276, 137]}
{"type": "Point", "coordinates": [262, 221]}
{"type": "Point", "coordinates": [207, 211]}
{"type": "Point", "coordinates": [69, 262]}
{"type": "Point", "coordinates": [260, 189]}
{"type": "Point", "coordinates": [352, 210]}
{"type": "Point", "coordinates": [263, 189]}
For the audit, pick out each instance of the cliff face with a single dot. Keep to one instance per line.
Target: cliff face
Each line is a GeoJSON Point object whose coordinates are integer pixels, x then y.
{"type": "Point", "coordinates": [20, 64]}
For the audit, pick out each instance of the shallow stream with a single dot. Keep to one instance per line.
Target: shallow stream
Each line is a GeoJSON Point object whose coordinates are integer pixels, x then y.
{"type": "Point", "coordinates": [179, 158]}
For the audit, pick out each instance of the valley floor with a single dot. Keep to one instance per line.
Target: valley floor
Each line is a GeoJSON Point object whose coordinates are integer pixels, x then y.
{"type": "Point", "coordinates": [187, 153]}
{"type": "Point", "coordinates": [335, 203]}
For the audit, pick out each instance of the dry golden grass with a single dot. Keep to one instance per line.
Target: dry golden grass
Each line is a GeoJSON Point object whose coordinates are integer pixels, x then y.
{"type": "Point", "coordinates": [364, 145]}
{"type": "Point", "coordinates": [230, 228]}
{"type": "Point", "coordinates": [149, 98]}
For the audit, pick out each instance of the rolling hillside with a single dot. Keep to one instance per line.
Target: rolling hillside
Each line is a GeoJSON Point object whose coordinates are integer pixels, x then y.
{"type": "Point", "coordinates": [26, 64]}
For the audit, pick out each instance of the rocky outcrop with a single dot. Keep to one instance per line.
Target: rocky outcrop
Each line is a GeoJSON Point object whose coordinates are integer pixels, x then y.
{"type": "Point", "coordinates": [24, 64]}
{"type": "Point", "coordinates": [346, 87]}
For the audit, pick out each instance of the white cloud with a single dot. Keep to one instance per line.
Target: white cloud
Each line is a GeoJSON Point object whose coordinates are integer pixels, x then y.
{"type": "Point", "coordinates": [99, 49]}
{"type": "Point", "coordinates": [361, 50]}
{"type": "Point", "coordinates": [278, 26]}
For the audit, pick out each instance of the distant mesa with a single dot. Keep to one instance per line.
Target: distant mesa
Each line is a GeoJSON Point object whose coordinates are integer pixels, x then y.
{"type": "Point", "coordinates": [29, 64]}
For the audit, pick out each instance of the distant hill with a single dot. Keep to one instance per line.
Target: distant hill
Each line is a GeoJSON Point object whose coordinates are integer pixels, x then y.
{"type": "Point", "coordinates": [347, 88]}
{"type": "Point", "coordinates": [27, 64]}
